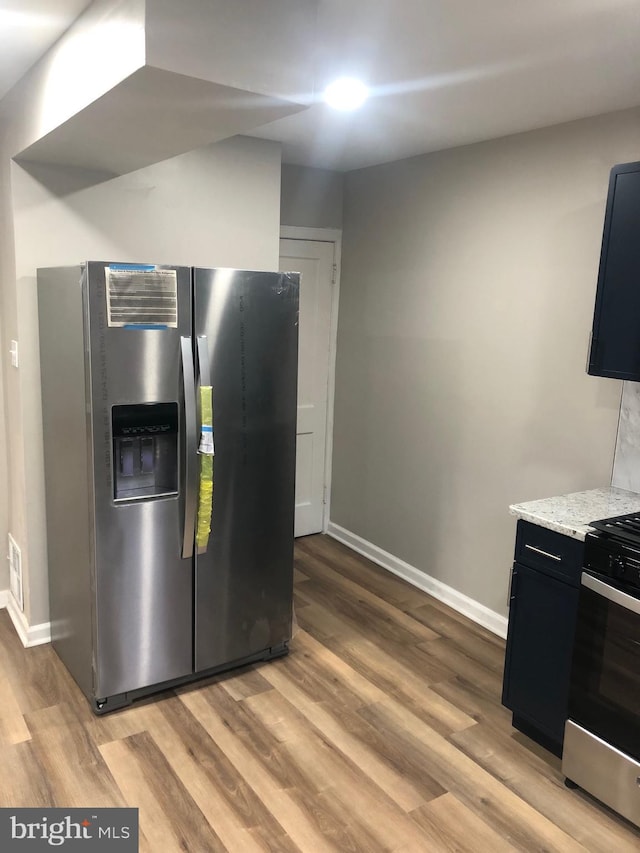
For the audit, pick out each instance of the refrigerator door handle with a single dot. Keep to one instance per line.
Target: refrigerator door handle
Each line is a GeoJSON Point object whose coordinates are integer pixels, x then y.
{"type": "Point", "coordinates": [191, 445]}
{"type": "Point", "coordinates": [203, 360]}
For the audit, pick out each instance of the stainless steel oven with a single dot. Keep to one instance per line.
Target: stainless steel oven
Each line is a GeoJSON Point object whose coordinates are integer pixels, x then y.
{"type": "Point", "coordinates": [602, 736]}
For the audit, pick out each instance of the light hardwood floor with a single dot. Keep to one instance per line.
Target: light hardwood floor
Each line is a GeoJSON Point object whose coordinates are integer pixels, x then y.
{"type": "Point", "coordinates": [382, 730]}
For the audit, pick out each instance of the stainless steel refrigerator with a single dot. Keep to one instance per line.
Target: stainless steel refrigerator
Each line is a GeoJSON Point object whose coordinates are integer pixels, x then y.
{"type": "Point", "coordinates": [132, 358]}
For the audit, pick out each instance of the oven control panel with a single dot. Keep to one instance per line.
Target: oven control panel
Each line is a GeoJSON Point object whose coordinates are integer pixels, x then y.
{"type": "Point", "coordinates": [625, 569]}
{"type": "Point", "coordinates": [613, 558]}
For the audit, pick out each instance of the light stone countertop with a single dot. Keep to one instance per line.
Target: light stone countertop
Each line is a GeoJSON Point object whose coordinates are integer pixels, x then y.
{"type": "Point", "coordinates": [571, 514]}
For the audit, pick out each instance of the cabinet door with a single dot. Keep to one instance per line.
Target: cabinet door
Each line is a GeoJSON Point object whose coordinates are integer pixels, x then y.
{"type": "Point", "coordinates": [542, 619]}
{"type": "Point", "coordinates": [616, 322]}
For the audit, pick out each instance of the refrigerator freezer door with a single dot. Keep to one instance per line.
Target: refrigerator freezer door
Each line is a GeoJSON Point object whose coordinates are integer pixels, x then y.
{"type": "Point", "coordinates": [143, 587]}
{"type": "Point", "coordinates": [243, 596]}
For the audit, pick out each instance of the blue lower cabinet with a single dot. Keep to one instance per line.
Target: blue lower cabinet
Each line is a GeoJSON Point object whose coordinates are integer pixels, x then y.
{"type": "Point", "coordinates": [542, 622]}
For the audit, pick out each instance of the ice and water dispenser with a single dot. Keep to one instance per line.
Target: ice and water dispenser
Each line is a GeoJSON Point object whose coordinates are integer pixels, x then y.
{"type": "Point", "coordinates": [145, 450]}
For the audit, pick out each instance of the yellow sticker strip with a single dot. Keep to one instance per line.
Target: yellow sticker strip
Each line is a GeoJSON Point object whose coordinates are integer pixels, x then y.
{"type": "Point", "coordinates": [206, 450]}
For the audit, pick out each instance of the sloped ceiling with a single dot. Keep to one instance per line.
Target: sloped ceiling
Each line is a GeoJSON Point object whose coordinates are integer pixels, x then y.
{"type": "Point", "coordinates": [442, 72]}
{"type": "Point", "coordinates": [27, 29]}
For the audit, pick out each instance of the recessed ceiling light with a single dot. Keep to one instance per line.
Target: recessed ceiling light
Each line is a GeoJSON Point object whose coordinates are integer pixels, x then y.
{"type": "Point", "coordinates": [346, 93]}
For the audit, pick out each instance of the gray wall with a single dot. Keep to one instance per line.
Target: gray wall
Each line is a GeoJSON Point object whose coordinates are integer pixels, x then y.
{"type": "Point", "coordinates": [217, 206]}
{"type": "Point", "coordinates": [6, 267]}
{"type": "Point", "coordinates": [311, 197]}
{"type": "Point", "coordinates": [467, 289]}
{"type": "Point", "coordinates": [4, 476]}
{"type": "Point", "coordinates": [4, 479]}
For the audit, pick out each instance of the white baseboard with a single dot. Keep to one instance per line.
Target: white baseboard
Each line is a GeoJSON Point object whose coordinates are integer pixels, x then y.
{"type": "Point", "coordinates": [477, 612]}
{"type": "Point", "coordinates": [30, 635]}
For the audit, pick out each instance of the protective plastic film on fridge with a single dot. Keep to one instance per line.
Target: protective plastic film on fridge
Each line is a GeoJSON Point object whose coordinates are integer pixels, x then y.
{"type": "Point", "coordinates": [169, 418]}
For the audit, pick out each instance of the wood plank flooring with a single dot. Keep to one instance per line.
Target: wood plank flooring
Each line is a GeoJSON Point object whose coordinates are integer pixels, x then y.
{"type": "Point", "coordinates": [381, 731]}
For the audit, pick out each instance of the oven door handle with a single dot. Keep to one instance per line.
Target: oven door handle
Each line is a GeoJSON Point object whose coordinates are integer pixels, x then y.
{"type": "Point", "coordinates": [611, 593]}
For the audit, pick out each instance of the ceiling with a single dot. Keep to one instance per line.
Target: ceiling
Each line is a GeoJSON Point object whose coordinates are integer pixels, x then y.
{"type": "Point", "coordinates": [27, 29]}
{"type": "Point", "coordinates": [442, 72]}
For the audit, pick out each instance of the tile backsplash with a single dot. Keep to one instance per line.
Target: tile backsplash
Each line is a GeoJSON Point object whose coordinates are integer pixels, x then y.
{"type": "Point", "coordinates": [626, 463]}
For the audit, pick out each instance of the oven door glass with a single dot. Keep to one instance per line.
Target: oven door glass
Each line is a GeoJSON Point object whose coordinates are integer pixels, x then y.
{"type": "Point", "coordinates": [605, 677]}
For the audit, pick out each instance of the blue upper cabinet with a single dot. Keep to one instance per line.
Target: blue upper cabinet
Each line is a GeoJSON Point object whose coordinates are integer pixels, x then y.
{"type": "Point", "coordinates": [615, 341]}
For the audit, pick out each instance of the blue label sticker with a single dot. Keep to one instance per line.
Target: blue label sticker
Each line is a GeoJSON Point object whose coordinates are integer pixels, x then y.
{"type": "Point", "coordinates": [143, 267]}
{"type": "Point", "coordinates": [148, 327]}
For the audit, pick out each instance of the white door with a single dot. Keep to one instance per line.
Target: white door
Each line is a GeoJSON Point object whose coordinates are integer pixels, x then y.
{"type": "Point", "coordinates": [314, 260]}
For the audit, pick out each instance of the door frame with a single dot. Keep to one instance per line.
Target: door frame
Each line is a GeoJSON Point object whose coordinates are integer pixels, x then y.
{"type": "Point", "coordinates": [325, 235]}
